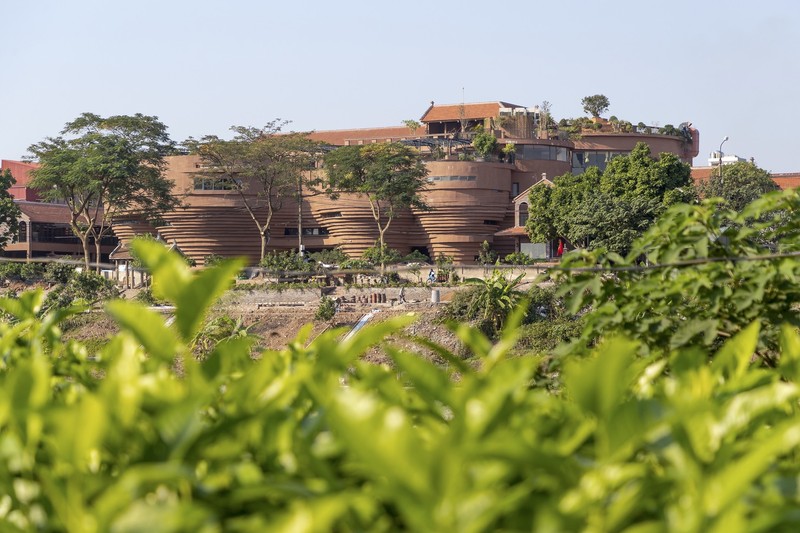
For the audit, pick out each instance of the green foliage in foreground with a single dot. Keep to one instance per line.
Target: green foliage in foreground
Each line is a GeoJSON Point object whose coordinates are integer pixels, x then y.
{"type": "Point", "coordinates": [311, 439]}
{"type": "Point", "coordinates": [746, 269]}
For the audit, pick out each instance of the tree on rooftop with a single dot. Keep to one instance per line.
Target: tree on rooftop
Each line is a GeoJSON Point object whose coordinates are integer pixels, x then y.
{"type": "Point", "coordinates": [485, 143]}
{"type": "Point", "coordinates": [609, 209]}
{"type": "Point", "coordinates": [390, 175]}
{"type": "Point", "coordinates": [413, 125]}
{"type": "Point", "coordinates": [595, 105]}
{"type": "Point", "coordinates": [739, 184]}
{"type": "Point", "coordinates": [263, 165]}
{"type": "Point", "coordinates": [9, 211]}
{"type": "Point", "coordinates": [101, 167]}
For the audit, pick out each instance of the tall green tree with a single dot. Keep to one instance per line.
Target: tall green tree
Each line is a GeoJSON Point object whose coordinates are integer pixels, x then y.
{"type": "Point", "coordinates": [609, 209]}
{"type": "Point", "coordinates": [738, 184]}
{"type": "Point", "coordinates": [102, 167]}
{"type": "Point", "coordinates": [595, 105]}
{"type": "Point", "coordinates": [390, 175]}
{"type": "Point", "coordinates": [264, 166]}
{"type": "Point", "coordinates": [9, 211]}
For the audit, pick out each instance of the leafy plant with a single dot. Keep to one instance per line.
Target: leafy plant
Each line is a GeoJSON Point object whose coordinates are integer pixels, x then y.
{"type": "Point", "coordinates": [213, 260]}
{"type": "Point", "coordinates": [519, 258]}
{"type": "Point", "coordinates": [312, 438]}
{"type": "Point", "coordinates": [486, 255]}
{"type": "Point", "coordinates": [286, 261]}
{"type": "Point", "coordinates": [377, 255]}
{"type": "Point", "coordinates": [58, 271]}
{"type": "Point", "coordinates": [82, 288]}
{"type": "Point", "coordinates": [416, 257]}
{"type": "Point", "coordinates": [485, 143]}
{"type": "Point", "coordinates": [334, 256]}
{"type": "Point", "coordinates": [717, 274]}
{"type": "Point", "coordinates": [221, 329]}
{"type": "Point", "coordinates": [326, 309]}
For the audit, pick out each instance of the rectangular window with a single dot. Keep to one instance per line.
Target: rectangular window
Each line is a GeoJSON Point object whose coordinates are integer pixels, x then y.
{"type": "Point", "coordinates": [514, 189]}
{"type": "Point", "coordinates": [216, 184]}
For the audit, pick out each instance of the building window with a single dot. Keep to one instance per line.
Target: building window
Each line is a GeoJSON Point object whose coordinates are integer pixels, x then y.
{"type": "Point", "coordinates": [216, 184]}
{"type": "Point", "coordinates": [491, 222]}
{"type": "Point", "coordinates": [593, 158]}
{"type": "Point", "coordinates": [514, 189]}
{"type": "Point", "coordinates": [22, 235]}
{"type": "Point", "coordinates": [306, 231]}
{"type": "Point", "coordinates": [543, 152]}
{"type": "Point", "coordinates": [522, 215]}
{"type": "Point", "coordinates": [55, 233]}
{"type": "Point", "coordinates": [433, 179]}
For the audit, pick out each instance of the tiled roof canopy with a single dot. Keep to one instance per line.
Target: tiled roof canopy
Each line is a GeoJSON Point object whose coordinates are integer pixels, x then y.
{"type": "Point", "coordinates": [450, 112]}
{"type": "Point", "coordinates": [42, 212]}
{"type": "Point", "coordinates": [342, 137]}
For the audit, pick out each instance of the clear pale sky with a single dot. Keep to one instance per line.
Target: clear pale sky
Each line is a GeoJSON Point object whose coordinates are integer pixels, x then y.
{"type": "Point", "coordinates": [729, 67]}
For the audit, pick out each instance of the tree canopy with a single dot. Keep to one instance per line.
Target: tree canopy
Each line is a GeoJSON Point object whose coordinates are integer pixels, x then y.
{"type": "Point", "coordinates": [9, 211]}
{"type": "Point", "coordinates": [595, 105]}
{"type": "Point", "coordinates": [264, 165]}
{"type": "Point", "coordinates": [713, 272]}
{"type": "Point", "coordinates": [101, 167]}
{"type": "Point", "coordinates": [390, 175]}
{"type": "Point", "coordinates": [738, 184]}
{"type": "Point", "coordinates": [609, 209]}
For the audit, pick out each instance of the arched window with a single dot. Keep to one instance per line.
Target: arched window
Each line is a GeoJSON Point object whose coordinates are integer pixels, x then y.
{"type": "Point", "coordinates": [522, 216]}
{"type": "Point", "coordinates": [22, 235]}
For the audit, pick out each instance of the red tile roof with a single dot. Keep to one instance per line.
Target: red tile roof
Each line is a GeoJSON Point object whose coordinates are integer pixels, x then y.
{"type": "Point", "coordinates": [701, 173]}
{"type": "Point", "coordinates": [785, 181]}
{"type": "Point", "coordinates": [42, 212]}
{"type": "Point", "coordinates": [342, 137]}
{"type": "Point", "coordinates": [450, 112]}
{"type": "Point", "coordinates": [516, 231]}
{"type": "Point", "coordinates": [788, 180]}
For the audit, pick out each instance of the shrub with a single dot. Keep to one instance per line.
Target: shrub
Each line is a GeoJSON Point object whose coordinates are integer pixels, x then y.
{"type": "Point", "coordinates": [518, 258]}
{"type": "Point", "coordinates": [58, 272]}
{"type": "Point", "coordinates": [32, 271]}
{"type": "Point", "coordinates": [330, 257]}
{"type": "Point", "coordinates": [212, 260]}
{"type": "Point", "coordinates": [416, 257]}
{"type": "Point", "coordinates": [10, 271]}
{"type": "Point", "coordinates": [486, 255]}
{"type": "Point", "coordinates": [326, 309]}
{"type": "Point", "coordinates": [375, 255]}
{"type": "Point", "coordinates": [218, 330]}
{"type": "Point", "coordinates": [85, 287]}
{"type": "Point", "coordinates": [485, 143]}
{"type": "Point", "coordinates": [356, 264]}
{"type": "Point", "coordinates": [145, 295]}
{"type": "Point", "coordinates": [287, 261]}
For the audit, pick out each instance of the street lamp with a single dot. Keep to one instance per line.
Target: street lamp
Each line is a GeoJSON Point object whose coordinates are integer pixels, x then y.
{"type": "Point", "coordinates": [719, 153]}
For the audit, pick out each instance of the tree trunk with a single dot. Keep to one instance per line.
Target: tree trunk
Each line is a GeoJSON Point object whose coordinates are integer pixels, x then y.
{"type": "Point", "coordinates": [85, 243]}
{"type": "Point", "coordinates": [381, 232]}
{"type": "Point", "coordinates": [97, 244]}
{"type": "Point", "coordinates": [263, 245]}
{"type": "Point", "coordinates": [300, 215]}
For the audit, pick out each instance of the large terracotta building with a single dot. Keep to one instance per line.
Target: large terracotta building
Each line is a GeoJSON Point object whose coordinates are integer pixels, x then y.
{"type": "Point", "coordinates": [472, 200]}
{"type": "Point", "coordinates": [44, 227]}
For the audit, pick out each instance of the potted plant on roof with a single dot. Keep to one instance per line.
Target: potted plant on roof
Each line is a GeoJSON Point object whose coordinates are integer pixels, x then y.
{"type": "Point", "coordinates": [507, 153]}
{"type": "Point", "coordinates": [485, 143]}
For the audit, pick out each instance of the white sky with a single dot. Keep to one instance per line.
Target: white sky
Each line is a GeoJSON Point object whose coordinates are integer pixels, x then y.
{"type": "Point", "coordinates": [729, 67]}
